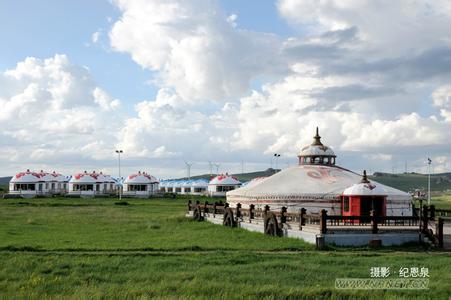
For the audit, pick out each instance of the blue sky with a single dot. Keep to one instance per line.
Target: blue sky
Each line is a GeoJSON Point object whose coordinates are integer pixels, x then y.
{"type": "Point", "coordinates": [43, 28]}
{"type": "Point", "coordinates": [170, 81]}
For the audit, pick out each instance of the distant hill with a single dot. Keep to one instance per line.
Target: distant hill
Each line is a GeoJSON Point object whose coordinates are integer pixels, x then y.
{"type": "Point", "coordinates": [5, 180]}
{"type": "Point", "coordinates": [412, 181]}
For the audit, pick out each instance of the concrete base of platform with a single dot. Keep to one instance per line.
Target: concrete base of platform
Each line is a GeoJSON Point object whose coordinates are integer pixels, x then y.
{"type": "Point", "coordinates": [344, 237]}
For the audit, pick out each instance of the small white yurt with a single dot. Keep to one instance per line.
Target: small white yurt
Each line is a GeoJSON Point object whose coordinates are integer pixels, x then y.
{"type": "Point", "coordinates": [90, 184]}
{"type": "Point", "coordinates": [57, 183]}
{"type": "Point", "coordinates": [163, 186]}
{"type": "Point", "coordinates": [140, 184]}
{"type": "Point", "coordinates": [221, 184]}
{"type": "Point", "coordinates": [186, 186]}
{"type": "Point", "coordinates": [167, 185]}
{"type": "Point", "coordinates": [316, 184]}
{"type": "Point", "coordinates": [177, 186]}
{"type": "Point", "coordinates": [199, 187]}
{"type": "Point", "coordinates": [27, 184]}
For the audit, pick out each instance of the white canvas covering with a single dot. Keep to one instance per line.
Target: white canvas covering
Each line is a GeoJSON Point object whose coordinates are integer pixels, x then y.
{"type": "Point", "coordinates": [366, 189]}
{"type": "Point", "coordinates": [313, 187]}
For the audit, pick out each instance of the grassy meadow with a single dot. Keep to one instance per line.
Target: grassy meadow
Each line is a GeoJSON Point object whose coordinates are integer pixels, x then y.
{"type": "Point", "coordinates": [442, 201]}
{"type": "Point", "coordinates": [92, 248]}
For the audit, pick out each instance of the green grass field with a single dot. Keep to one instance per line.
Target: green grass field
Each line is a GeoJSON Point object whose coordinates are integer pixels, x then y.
{"type": "Point", "coordinates": [92, 248]}
{"type": "Point", "coordinates": [442, 202]}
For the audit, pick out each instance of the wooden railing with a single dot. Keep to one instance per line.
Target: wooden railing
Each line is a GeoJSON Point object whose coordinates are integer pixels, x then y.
{"type": "Point", "coordinates": [422, 220]}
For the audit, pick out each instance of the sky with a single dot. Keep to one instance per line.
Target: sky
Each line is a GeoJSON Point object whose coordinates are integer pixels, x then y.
{"type": "Point", "coordinates": [226, 81]}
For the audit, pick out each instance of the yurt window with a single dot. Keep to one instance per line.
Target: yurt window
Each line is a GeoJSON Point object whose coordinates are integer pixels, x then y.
{"type": "Point", "coordinates": [83, 187]}
{"type": "Point", "coordinates": [170, 189]}
{"type": "Point", "coordinates": [64, 186]}
{"type": "Point", "coordinates": [137, 187]}
{"type": "Point", "coordinates": [187, 190]}
{"type": "Point", "coordinates": [199, 190]}
{"type": "Point", "coordinates": [178, 190]}
{"type": "Point", "coordinates": [25, 187]}
{"type": "Point", "coordinates": [225, 188]}
{"type": "Point", "coordinates": [46, 186]}
{"type": "Point", "coordinates": [53, 186]}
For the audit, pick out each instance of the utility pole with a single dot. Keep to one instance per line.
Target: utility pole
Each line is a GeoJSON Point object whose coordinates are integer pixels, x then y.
{"type": "Point", "coordinates": [188, 169]}
{"type": "Point", "coordinates": [429, 181]}
{"type": "Point", "coordinates": [120, 178]}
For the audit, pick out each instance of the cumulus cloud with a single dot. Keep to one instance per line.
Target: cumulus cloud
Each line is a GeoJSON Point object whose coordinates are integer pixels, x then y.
{"type": "Point", "coordinates": [194, 46]}
{"type": "Point", "coordinates": [348, 74]}
{"type": "Point", "coordinates": [374, 76]}
{"type": "Point", "coordinates": [51, 110]}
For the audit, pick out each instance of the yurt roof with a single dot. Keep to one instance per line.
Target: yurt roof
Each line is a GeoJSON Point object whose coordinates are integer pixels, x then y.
{"type": "Point", "coordinates": [93, 177]}
{"type": "Point", "coordinates": [58, 177]}
{"type": "Point", "coordinates": [140, 178]}
{"type": "Point", "coordinates": [316, 148]}
{"type": "Point", "coordinates": [224, 180]}
{"type": "Point", "coordinates": [365, 188]}
{"type": "Point", "coordinates": [306, 181]}
{"type": "Point", "coordinates": [199, 183]}
{"type": "Point", "coordinates": [26, 177]}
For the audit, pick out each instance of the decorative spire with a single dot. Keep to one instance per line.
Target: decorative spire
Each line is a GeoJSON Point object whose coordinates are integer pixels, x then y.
{"type": "Point", "coordinates": [364, 178]}
{"type": "Point", "coordinates": [317, 139]}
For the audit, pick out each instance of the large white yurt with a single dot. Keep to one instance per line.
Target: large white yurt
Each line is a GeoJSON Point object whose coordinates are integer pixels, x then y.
{"type": "Point", "coordinates": [318, 183]}
{"type": "Point", "coordinates": [140, 184]}
{"type": "Point", "coordinates": [27, 184]}
{"type": "Point", "coordinates": [219, 185]}
{"type": "Point", "coordinates": [90, 184]}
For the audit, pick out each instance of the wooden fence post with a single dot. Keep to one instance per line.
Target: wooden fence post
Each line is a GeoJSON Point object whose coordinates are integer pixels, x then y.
{"type": "Point", "coordinates": [374, 219]}
{"type": "Point", "coordinates": [238, 210]}
{"type": "Point", "coordinates": [215, 210]}
{"type": "Point", "coordinates": [283, 215]}
{"type": "Point", "coordinates": [425, 218]}
{"type": "Point", "coordinates": [266, 210]}
{"type": "Point", "coordinates": [189, 205]}
{"type": "Point", "coordinates": [439, 231]}
{"type": "Point", "coordinates": [432, 212]}
{"type": "Point", "coordinates": [323, 220]}
{"type": "Point", "coordinates": [206, 207]}
{"type": "Point", "coordinates": [302, 218]}
{"type": "Point", "coordinates": [251, 212]}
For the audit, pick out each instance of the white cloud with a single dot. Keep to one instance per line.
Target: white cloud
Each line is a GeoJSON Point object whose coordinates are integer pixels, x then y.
{"type": "Point", "coordinates": [418, 24]}
{"type": "Point", "coordinates": [52, 111]}
{"type": "Point", "coordinates": [362, 71]}
{"type": "Point", "coordinates": [95, 37]}
{"type": "Point", "coordinates": [196, 51]}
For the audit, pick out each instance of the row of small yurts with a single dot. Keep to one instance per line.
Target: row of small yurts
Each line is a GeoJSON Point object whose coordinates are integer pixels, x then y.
{"type": "Point", "coordinates": [316, 183]}
{"type": "Point", "coordinates": [140, 184]}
